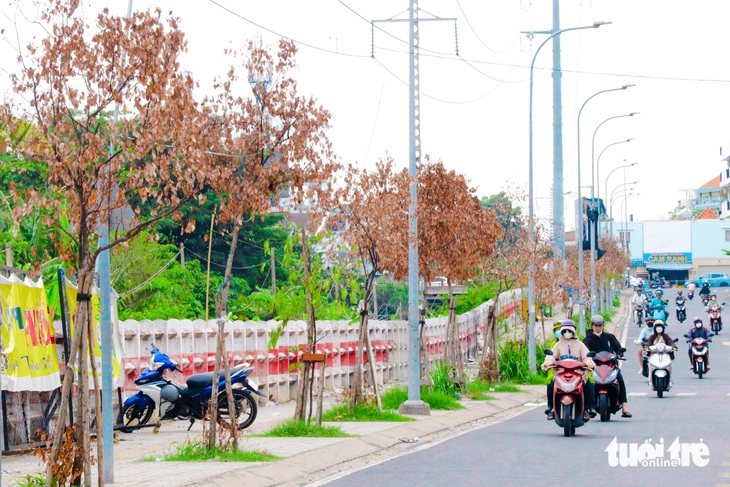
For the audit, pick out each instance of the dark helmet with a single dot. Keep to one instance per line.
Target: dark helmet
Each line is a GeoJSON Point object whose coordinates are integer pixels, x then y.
{"type": "Point", "coordinates": [679, 293]}
{"type": "Point", "coordinates": [713, 295]}
{"type": "Point", "coordinates": [597, 320]}
{"type": "Point", "coordinates": [649, 321]}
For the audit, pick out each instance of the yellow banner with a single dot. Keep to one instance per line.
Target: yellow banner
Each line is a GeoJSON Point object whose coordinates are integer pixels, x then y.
{"type": "Point", "coordinates": [29, 344]}
{"type": "Point", "coordinates": [117, 350]}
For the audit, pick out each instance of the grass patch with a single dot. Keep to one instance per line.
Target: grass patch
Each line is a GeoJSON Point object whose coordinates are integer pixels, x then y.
{"type": "Point", "coordinates": [479, 386]}
{"type": "Point", "coordinates": [294, 428]}
{"type": "Point", "coordinates": [395, 396]}
{"type": "Point", "coordinates": [362, 412]}
{"type": "Point", "coordinates": [36, 480]}
{"type": "Point", "coordinates": [191, 451]}
{"type": "Point", "coordinates": [480, 396]}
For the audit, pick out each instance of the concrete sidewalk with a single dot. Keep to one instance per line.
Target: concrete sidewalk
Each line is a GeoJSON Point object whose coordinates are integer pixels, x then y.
{"type": "Point", "coordinates": [304, 460]}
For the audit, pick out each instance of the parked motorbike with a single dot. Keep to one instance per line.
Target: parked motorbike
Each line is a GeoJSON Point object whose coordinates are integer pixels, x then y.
{"type": "Point", "coordinates": [639, 315]}
{"type": "Point", "coordinates": [660, 363]}
{"type": "Point", "coordinates": [607, 387]}
{"type": "Point", "coordinates": [715, 319]}
{"type": "Point", "coordinates": [159, 398]}
{"type": "Point", "coordinates": [681, 310]}
{"type": "Point", "coordinates": [699, 354]}
{"type": "Point", "coordinates": [568, 393]}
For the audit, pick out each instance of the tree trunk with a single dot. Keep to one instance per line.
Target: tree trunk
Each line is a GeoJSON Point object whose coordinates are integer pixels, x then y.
{"type": "Point", "coordinates": [489, 365]}
{"type": "Point", "coordinates": [307, 375]}
{"type": "Point", "coordinates": [97, 406]}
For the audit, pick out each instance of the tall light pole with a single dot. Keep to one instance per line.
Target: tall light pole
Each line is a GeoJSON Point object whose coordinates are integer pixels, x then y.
{"type": "Point", "coordinates": [531, 218]}
{"type": "Point", "coordinates": [598, 165]}
{"type": "Point", "coordinates": [606, 187]}
{"type": "Point", "coordinates": [592, 229]}
{"type": "Point", "coordinates": [579, 223]}
{"type": "Point", "coordinates": [621, 187]}
{"type": "Point", "coordinates": [626, 220]}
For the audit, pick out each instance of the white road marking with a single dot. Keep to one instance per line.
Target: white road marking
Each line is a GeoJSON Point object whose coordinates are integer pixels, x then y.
{"type": "Point", "coordinates": [686, 394]}
{"type": "Point", "coordinates": [641, 394]}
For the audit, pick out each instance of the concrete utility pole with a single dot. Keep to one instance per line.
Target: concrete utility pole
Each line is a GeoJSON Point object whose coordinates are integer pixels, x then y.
{"type": "Point", "coordinates": [414, 404]}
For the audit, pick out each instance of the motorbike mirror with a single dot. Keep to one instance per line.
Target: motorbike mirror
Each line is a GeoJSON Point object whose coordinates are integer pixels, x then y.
{"type": "Point", "coordinates": [591, 354]}
{"type": "Point", "coordinates": [621, 350]}
{"type": "Point", "coordinates": [548, 351]}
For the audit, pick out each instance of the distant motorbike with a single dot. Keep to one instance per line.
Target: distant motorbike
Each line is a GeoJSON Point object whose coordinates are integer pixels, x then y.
{"type": "Point", "coordinates": [568, 393]}
{"type": "Point", "coordinates": [660, 363]}
{"type": "Point", "coordinates": [607, 387]}
{"type": "Point", "coordinates": [715, 319]}
{"type": "Point", "coordinates": [705, 299]}
{"type": "Point", "coordinates": [699, 354]}
{"type": "Point", "coordinates": [160, 398]}
{"type": "Point", "coordinates": [681, 310]}
{"type": "Point", "coordinates": [639, 315]}
{"type": "Point", "coordinates": [691, 294]}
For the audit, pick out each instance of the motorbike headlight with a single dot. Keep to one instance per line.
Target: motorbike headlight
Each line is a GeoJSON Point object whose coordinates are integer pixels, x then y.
{"type": "Point", "coordinates": [567, 386]}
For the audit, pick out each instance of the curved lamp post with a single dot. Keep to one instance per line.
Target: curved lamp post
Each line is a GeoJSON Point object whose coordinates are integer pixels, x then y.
{"type": "Point", "coordinates": [598, 165]}
{"type": "Point", "coordinates": [531, 219]}
{"type": "Point", "coordinates": [626, 219]}
{"type": "Point", "coordinates": [592, 230]}
{"type": "Point", "coordinates": [606, 186]}
{"type": "Point", "coordinates": [579, 225]}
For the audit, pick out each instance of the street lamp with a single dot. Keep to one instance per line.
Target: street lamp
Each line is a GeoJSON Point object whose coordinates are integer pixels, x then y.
{"type": "Point", "coordinates": [531, 220]}
{"type": "Point", "coordinates": [592, 229]}
{"type": "Point", "coordinates": [598, 164]}
{"type": "Point", "coordinates": [579, 226]}
{"type": "Point", "coordinates": [606, 187]}
{"type": "Point", "coordinates": [621, 187]}
{"type": "Point", "coordinates": [626, 219]}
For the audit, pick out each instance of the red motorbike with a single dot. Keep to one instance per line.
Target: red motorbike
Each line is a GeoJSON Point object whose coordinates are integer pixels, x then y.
{"type": "Point", "coordinates": [568, 400]}
{"type": "Point", "coordinates": [606, 383]}
{"type": "Point", "coordinates": [715, 319]}
{"type": "Point", "coordinates": [699, 355]}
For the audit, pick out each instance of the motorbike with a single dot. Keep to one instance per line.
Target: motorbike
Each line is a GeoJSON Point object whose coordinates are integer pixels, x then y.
{"type": "Point", "coordinates": [568, 393]}
{"type": "Point", "coordinates": [715, 319]}
{"type": "Point", "coordinates": [681, 310]}
{"type": "Point", "coordinates": [639, 315]}
{"type": "Point", "coordinates": [691, 294]}
{"type": "Point", "coordinates": [644, 358]}
{"type": "Point", "coordinates": [660, 362]}
{"type": "Point", "coordinates": [159, 398]}
{"type": "Point", "coordinates": [705, 299]}
{"type": "Point", "coordinates": [607, 387]}
{"type": "Point", "coordinates": [700, 353]}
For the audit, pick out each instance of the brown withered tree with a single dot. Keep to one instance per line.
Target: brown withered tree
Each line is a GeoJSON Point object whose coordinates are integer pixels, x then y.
{"type": "Point", "coordinates": [373, 207]}
{"type": "Point", "coordinates": [454, 235]}
{"type": "Point", "coordinates": [506, 266]}
{"type": "Point", "coordinates": [550, 277]}
{"type": "Point", "coordinates": [277, 142]}
{"type": "Point", "coordinates": [146, 166]}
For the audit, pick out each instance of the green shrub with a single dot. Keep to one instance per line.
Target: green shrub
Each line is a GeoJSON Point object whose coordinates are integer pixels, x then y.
{"type": "Point", "coordinates": [514, 362]}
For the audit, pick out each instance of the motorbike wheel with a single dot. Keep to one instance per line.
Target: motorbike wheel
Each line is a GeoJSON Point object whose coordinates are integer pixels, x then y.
{"type": "Point", "coordinates": [700, 369]}
{"type": "Point", "coordinates": [568, 428]}
{"type": "Point", "coordinates": [603, 408]}
{"type": "Point", "coordinates": [246, 409]}
{"type": "Point", "coordinates": [133, 417]}
{"type": "Point", "coordinates": [660, 387]}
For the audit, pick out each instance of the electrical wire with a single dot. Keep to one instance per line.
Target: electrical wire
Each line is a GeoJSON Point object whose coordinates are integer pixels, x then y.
{"type": "Point", "coordinates": [204, 259]}
{"type": "Point", "coordinates": [149, 279]}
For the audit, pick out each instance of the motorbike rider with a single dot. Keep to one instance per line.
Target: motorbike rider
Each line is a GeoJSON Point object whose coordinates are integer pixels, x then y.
{"type": "Point", "coordinates": [705, 290]}
{"type": "Point", "coordinates": [602, 341]}
{"type": "Point", "coordinates": [660, 337]}
{"type": "Point", "coordinates": [656, 304]}
{"type": "Point", "coordinates": [679, 299]}
{"type": "Point", "coordinates": [691, 288]}
{"type": "Point", "coordinates": [714, 303]}
{"type": "Point", "coordinates": [638, 299]}
{"type": "Point", "coordinates": [698, 330]}
{"type": "Point", "coordinates": [568, 346]}
{"type": "Point", "coordinates": [646, 332]}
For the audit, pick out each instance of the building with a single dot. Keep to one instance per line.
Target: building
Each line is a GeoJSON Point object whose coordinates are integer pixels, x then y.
{"type": "Point", "coordinates": [676, 250]}
{"type": "Point", "coordinates": [725, 182]}
{"type": "Point", "coordinates": [709, 196]}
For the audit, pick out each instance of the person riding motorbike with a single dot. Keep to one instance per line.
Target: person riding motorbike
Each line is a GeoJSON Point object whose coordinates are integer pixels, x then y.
{"type": "Point", "coordinates": [705, 290]}
{"type": "Point", "coordinates": [601, 341]}
{"type": "Point", "coordinates": [660, 337]}
{"type": "Point", "coordinates": [679, 298]}
{"type": "Point", "coordinates": [714, 303]}
{"type": "Point", "coordinates": [646, 332]}
{"type": "Point", "coordinates": [551, 372]}
{"type": "Point", "coordinates": [691, 289]}
{"type": "Point", "coordinates": [568, 346]}
{"type": "Point", "coordinates": [658, 306]}
{"type": "Point", "coordinates": [638, 299]}
{"type": "Point", "coordinates": [698, 330]}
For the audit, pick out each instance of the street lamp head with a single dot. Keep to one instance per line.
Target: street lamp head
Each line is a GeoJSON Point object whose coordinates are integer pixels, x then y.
{"type": "Point", "coordinates": [633, 164]}
{"type": "Point", "coordinates": [626, 86]}
{"type": "Point", "coordinates": [629, 140]}
{"type": "Point", "coordinates": [600, 23]}
{"type": "Point", "coordinates": [633, 113]}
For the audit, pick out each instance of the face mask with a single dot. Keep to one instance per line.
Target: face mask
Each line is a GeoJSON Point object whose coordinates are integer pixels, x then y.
{"type": "Point", "coordinates": [698, 325]}
{"type": "Point", "coordinates": [557, 334]}
{"type": "Point", "coordinates": [659, 330]}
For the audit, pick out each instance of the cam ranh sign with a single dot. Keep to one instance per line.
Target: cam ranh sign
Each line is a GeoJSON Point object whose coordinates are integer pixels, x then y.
{"type": "Point", "coordinates": [679, 258]}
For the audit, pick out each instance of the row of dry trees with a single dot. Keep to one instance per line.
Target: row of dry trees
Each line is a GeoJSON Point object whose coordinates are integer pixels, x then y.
{"type": "Point", "coordinates": [246, 141]}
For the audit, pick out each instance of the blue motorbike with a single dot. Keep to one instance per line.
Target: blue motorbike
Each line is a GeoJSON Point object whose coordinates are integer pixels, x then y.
{"type": "Point", "coordinates": [159, 398]}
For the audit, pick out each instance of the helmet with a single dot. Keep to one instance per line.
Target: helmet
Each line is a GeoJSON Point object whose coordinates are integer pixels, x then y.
{"type": "Point", "coordinates": [567, 325]}
{"type": "Point", "coordinates": [556, 326]}
{"type": "Point", "coordinates": [649, 321]}
{"type": "Point", "coordinates": [597, 320]}
{"type": "Point", "coordinates": [659, 292]}
{"type": "Point", "coordinates": [659, 324]}
{"type": "Point", "coordinates": [713, 295]}
{"type": "Point", "coordinates": [679, 293]}
{"type": "Point", "coordinates": [696, 319]}
{"type": "Point", "coordinates": [705, 283]}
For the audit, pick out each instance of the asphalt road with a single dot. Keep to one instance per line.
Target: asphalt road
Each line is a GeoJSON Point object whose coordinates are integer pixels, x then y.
{"type": "Point", "coordinates": [680, 439]}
